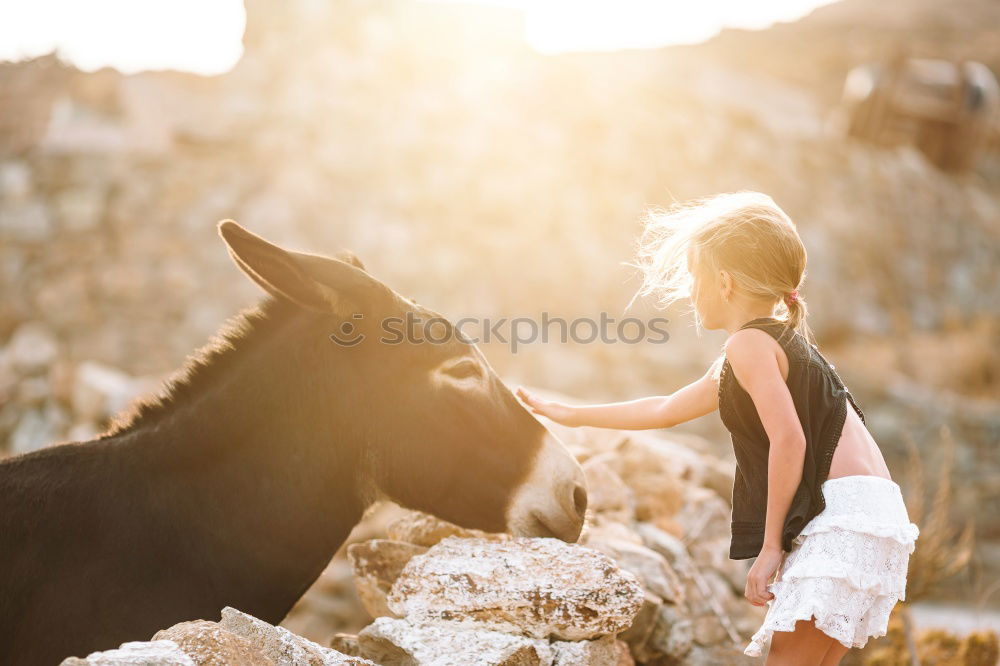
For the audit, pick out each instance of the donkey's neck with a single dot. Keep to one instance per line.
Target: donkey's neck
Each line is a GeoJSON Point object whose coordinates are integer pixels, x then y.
{"type": "Point", "coordinates": [259, 493]}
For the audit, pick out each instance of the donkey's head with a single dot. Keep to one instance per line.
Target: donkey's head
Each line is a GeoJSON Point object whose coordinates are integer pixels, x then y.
{"type": "Point", "coordinates": [434, 427]}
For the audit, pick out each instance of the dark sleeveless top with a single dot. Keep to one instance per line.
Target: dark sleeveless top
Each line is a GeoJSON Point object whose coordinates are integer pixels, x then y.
{"type": "Point", "coordinates": [821, 400]}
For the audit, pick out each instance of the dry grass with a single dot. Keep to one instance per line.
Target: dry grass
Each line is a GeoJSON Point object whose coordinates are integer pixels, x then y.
{"type": "Point", "coordinates": [943, 548]}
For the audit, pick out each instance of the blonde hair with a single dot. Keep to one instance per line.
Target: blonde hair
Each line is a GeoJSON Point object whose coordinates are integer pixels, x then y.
{"type": "Point", "coordinates": [744, 233]}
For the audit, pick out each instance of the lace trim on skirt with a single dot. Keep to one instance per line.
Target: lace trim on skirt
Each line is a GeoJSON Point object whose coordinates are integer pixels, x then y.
{"type": "Point", "coordinates": [847, 567]}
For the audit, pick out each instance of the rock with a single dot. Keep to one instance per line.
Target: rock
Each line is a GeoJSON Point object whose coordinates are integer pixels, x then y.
{"type": "Point", "coordinates": [100, 390]}
{"type": "Point", "coordinates": [603, 651]}
{"type": "Point", "coordinates": [704, 515]}
{"type": "Point", "coordinates": [624, 655]}
{"type": "Point", "coordinates": [606, 492]}
{"type": "Point", "coordinates": [423, 529]}
{"type": "Point", "coordinates": [32, 347]}
{"type": "Point", "coordinates": [718, 476]}
{"type": "Point", "coordinates": [147, 653]}
{"type": "Point", "coordinates": [642, 626]}
{"type": "Point", "coordinates": [537, 586]}
{"type": "Point", "coordinates": [648, 566]}
{"type": "Point", "coordinates": [719, 655]}
{"type": "Point", "coordinates": [238, 639]}
{"type": "Point", "coordinates": [649, 470]}
{"type": "Point", "coordinates": [80, 209]}
{"type": "Point", "coordinates": [707, 630]}
{"type": "Point", "coordinates": [346, 643]}
{"type": "Point", "coordinates": [208, 644]}
{"type": "Point", "coordinates": [9, 378]}
{"type": "Point", "coordinates": [673, 633]}
{"type": "Point", "coordinates": [401, 642]}
{"type": "Point", "coordinates": [38, 428]}
{"type": "Point", "coordinates": [27, 222]}
{"type": "Point", "coordinates": [376, 564]}
{"type": "Point", "coordinates": [15, 181]}
{"type": "Point", "coordinates": [60, 379]}
{"type": "Point", "coordinates": [637, 635]}
{"type": "Point", "coordinates": [331, 602]}
{"type": "Point", "coordinates": [713, 553]}
{"type": "Point", "coordinates": [666, 544]}
{"type": "Point", "coordinates": [32, 391]}
{"type": "Point", "coordinates": [81, 432]}
{"type": "Point", "coordinates": [609, 530]}
{"type": "Point", "coordinates": [280, 645]}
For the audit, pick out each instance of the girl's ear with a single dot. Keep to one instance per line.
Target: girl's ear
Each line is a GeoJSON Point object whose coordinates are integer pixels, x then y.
{"type": "Point", "coordinates": [725, 284]}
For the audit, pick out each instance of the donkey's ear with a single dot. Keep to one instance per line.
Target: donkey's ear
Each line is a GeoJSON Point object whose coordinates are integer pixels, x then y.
{"type": "Point", "coordinates": [278, 272]}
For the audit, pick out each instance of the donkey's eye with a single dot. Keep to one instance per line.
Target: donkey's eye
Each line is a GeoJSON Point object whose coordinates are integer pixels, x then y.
{"type": "Point", "coordinates": [464, 369]}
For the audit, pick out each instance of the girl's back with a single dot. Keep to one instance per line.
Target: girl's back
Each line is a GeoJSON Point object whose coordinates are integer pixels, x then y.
{"type": "Point", "coordinates": [856, 451]}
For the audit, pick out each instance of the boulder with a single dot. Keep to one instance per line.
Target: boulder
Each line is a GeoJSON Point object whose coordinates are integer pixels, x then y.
{"type": "Point", "coordinates": [606, 492]}
{"type": "Point", "coordinates": [424, 529]}
{"type": "Point", "coordinates": [637, 635]}
{"type": "Point", "coordinates": [718, 477]}
{"type": "Point", "coordinates": [672, 634]}
{"type": "Point", "coordinates": [208, 644]}
{"type": "Point", "coordinates": [32, 347]}
{"type": "Point", "coordinates": [540, 587]}
{"type": "Point", "coordinates": [237, 639]}
{"type": "Point", "coordinates": [649, 469]}
{"type": "Point", "coordinates": [666, 544]}
{"type": "Point", "coordinates": [282, 646]}
{"type": "Point", "coordinates": [717, 655]}
{"type": "Point", "coordinates": [623, 654]}
{"type": "Point", "coordinates": [346, 643]}
{"type": "Point", "coordinates": [38, 428]}
{"type": "Point", "coordinates": [707, 630]}
{"type": "Point", "coordinates": [28, 222]}
{"type": "Point", "coordinates": [147, 653]}
{"type": "Point", "coordinates": [648, 566]}
{"type": "Point", "coordinates": [602, 651]}
{"type": "Point", "coordinates": [401, 642]}
{"type": "Point", "coordinates": [603, 529]}
{"type": "Point", "coordinates": [376, 564]}
{"type": "Point", "coordinates": [100, 390]}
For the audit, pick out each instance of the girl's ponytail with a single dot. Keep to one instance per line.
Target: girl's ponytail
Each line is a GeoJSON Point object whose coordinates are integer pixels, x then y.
{"type": "Point", "coordinates": [797, 311]}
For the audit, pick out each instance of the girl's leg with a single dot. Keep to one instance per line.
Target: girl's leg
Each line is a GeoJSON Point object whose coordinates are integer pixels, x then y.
{"type": "Point", "coordinates": [834, 654]}
{"type": "Point", "coordinates": [805, 645]}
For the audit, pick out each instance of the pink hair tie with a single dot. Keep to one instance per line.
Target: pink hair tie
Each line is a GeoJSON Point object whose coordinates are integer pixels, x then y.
{"type": "Point", "coordinates": [792, 296]}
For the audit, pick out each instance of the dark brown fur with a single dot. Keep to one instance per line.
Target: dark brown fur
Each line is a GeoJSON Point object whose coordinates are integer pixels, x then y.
{"type": "Point", "coordinates": [240, 480]}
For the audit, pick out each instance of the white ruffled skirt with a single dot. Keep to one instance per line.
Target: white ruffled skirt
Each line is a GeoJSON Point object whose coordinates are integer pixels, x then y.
{"type": "Point", "coordinates": [848, 565]}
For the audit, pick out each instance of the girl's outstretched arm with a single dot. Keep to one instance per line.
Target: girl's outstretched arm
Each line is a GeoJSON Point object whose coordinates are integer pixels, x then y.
{"type": "Point", "coordinates": [661, 411]}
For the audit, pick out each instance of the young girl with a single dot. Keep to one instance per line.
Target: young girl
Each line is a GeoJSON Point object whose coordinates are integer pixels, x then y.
{"type": "Point", "coordinates": [813, 500]}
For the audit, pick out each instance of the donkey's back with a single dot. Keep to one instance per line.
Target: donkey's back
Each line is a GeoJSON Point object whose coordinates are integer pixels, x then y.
{"type": "Point", "coordinates": [84, 560]}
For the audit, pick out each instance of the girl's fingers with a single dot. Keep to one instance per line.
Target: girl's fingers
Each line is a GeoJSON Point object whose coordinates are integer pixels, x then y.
{"type": "Point", "coordinates": [535, 405]}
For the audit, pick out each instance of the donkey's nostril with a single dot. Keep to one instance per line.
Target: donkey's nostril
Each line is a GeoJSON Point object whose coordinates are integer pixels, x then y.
{"type": "Point", "coordinates": [580, 499]}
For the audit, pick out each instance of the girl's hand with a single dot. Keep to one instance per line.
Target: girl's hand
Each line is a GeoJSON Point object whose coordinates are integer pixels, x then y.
{"type": "Point", "coordinates": [763, 569]}
{"type": "Point", "coordinates": [556, 411]}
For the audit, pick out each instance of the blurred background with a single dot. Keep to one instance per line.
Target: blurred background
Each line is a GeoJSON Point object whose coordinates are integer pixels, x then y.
{"type": "Point", "coordinates": [493, 160]}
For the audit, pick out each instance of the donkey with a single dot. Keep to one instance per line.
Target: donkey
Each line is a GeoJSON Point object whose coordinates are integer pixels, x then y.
{"type": "Point", "coordinates": [238, 482]}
